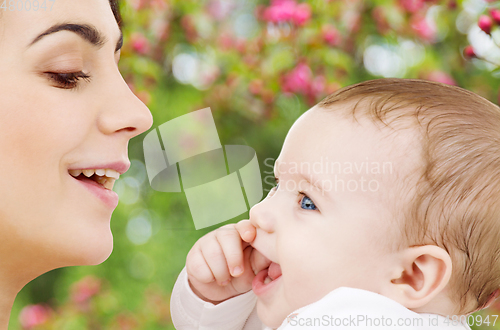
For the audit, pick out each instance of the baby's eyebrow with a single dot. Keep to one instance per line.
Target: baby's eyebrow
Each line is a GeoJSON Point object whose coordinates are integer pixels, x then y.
{"type": "Point", "coordinates": [311, 180]}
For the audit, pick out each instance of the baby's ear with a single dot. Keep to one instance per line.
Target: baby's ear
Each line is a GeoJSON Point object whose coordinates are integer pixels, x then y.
{"type": "Point", "coordinates": [421, 274]}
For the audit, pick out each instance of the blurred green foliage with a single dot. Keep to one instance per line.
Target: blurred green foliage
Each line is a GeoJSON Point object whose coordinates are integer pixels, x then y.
{"type": "Point", "coordinates": [259, 65]}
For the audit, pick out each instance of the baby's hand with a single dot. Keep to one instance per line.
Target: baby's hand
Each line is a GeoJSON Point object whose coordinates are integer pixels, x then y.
{"type": "Point", "coordinates": [212, 263]}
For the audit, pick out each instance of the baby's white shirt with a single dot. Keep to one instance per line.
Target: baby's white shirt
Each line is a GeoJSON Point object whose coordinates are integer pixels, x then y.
{"type": "Point", "coordinates": [342, 308]}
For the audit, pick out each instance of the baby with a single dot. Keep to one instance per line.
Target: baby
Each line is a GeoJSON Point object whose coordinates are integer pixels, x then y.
{"type": "Point", "coordinates": [386, 214]}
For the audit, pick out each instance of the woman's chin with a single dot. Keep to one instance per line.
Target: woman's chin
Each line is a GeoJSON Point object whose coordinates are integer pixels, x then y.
{"type": "Point", "coordinates": [92, 251]}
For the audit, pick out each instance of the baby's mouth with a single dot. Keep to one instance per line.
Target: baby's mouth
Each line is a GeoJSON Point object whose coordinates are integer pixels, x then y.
{"type": "Point", "coordinates": [273, 272]}
{"type": "Point", "coordinates": [267, 273]}
{"type": "Point", "coordinates": [266, 278]}
{"type": "Point", "coordinates": [265, 270]}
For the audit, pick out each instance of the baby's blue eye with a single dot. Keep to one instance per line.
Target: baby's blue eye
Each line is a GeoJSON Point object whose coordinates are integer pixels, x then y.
{"type": "Point", "coordinates": [307, 204]}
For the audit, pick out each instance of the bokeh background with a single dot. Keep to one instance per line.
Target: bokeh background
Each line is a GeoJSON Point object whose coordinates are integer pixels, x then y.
{"type": "Point", "coordinates": [258, 65]}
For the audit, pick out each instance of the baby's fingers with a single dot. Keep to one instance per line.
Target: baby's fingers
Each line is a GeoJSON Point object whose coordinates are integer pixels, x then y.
{"type": "Point", "coordinates": [231, 244]}
{"type": "Point", "coordinates": [258, 261]}
{"type": "Point", "coordinates": [214, 257]}
{"type": "Point", "coordinates": [197, 267]}
{"type": "Point", "coordinates": [247, 230]}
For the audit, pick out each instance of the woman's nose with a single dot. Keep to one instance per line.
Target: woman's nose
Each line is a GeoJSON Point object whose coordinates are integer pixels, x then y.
{"type": "Point", "coordinates": [261, 216]}
{"type": "Point", "coordinates": [124, 110]}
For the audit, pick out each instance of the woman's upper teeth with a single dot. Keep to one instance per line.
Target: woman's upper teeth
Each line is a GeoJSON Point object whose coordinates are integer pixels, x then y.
{"type": "Point", "coordinates": [101, 172]}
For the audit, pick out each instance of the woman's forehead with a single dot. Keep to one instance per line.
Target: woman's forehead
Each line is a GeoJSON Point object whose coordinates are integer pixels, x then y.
{"type": "Point", "coordinates": [97, 12]}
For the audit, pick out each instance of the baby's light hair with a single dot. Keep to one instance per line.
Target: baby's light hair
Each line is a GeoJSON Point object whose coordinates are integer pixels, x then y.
{"type": "Point", "coordinates": [457, 202]}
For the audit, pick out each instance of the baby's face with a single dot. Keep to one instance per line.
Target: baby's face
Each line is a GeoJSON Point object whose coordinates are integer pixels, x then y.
{"type": "Point", "coordinates": [339, 232]}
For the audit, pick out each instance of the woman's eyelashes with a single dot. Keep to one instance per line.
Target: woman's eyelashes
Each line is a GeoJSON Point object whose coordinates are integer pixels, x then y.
{"type": "Point", "coordinates": [305, 202]}
{"type": "Point", "coordinates": [68, 80]}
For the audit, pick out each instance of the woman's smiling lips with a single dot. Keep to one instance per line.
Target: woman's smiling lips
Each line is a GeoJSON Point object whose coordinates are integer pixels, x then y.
{"type": "Point", "coordinates": [119, 166]}
{"type": "Point", "coordinates": [108, 196]}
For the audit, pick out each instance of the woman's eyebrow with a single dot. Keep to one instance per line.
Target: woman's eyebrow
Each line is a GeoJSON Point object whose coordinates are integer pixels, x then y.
{"type": "Point", "coordinates": [87, 31]}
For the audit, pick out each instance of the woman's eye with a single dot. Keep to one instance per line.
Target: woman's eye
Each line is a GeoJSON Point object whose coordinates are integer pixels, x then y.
{"type": "Point", "coordinates": [68, 80]}
{"type": "Point", "coordinates": [306, 203]}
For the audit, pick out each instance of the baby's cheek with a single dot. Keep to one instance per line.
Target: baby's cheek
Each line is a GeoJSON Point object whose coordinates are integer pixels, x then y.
{"type": "Point", "coordinates": [303, 280]}
{"type": "Point", "coordinates": [296, 293]}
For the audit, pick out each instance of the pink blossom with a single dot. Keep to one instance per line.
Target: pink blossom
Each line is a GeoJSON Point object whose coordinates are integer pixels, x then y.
{"type": "Point", "coordinates": [287, 11]}
{"type": "Point", "coordinates": [219, 9]}
{"type": "Point", "coordinates": [495, 14]}
{"type": "Point", "coordinates": [127, 321]}
{"type": "Point", "coordinates": [380, 17]}
{"type": "Point", "coordinates": [140, 43]}
{"type": "Point", "coordinates": [425, 29]}
{"type": "Point", "coordinates": [225, 41]}
{"type": "Point", "coordinates": [412, 6]}
{"type": "Point", "coordinates": [442, 77]}
{"type": "Point", "coordinates": [298, 80]}
{"type": "Point", "coordinates": [131, 86]}
{"type": "Point", "coordinates": [251, 60]}
{"type": "Point", "coordinates": [158, 5]}
{"type": "Point", "coordinates": [241, 45]}
{"type": "Point", "coordinates": [33, 315]}
{"type": "Point", "coordinates": [139, 4]}
{"type": "Point", "coordinates": [84, 289]}
{"type": "Point", "coordinates": [469, 52]}
{"type": "Point", "coordinates": [485, 23]}
{"type": "Point", "coordinates": [208, 76]}
{"type": "Point", "coordinates": [330, 34]}
{"type": "Point", "coordinates": [280, 10]}
{"type": "Point", "coordinates": [332, 87]}
{"type": "Point", "coordinates": [160, 28]}
{"type": "Point", "coordinates": [255, 86]}
{"type": "Point", "coordinates": [144, 96]}
{"type": "Point", "coordinates": [352, 20]}
{"type": "Point", "coordinates": [189, 28]}
{"type": "Point", "coordinates": [302, 14]}
{"type": "Point", "coordinates": [318, 85]}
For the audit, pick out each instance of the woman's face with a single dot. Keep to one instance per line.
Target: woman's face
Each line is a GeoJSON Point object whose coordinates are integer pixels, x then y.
{"type": "Point", "coordinates": [48, 126]}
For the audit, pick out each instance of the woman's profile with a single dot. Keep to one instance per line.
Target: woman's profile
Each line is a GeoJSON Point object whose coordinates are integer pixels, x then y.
{"type": "Point", "coordinates": [67, 116]}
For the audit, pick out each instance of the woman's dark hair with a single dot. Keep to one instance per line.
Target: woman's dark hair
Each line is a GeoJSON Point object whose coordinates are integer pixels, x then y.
{"type": "Point", "coordinates": [115, 7]}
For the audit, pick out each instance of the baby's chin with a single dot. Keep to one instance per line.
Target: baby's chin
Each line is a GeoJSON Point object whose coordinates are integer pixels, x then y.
{"type": "Point", "coordinates": [273, 316]}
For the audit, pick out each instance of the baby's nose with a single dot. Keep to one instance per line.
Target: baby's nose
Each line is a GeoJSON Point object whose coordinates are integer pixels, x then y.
{"type": "Point", "coordinates": [261, 217]}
